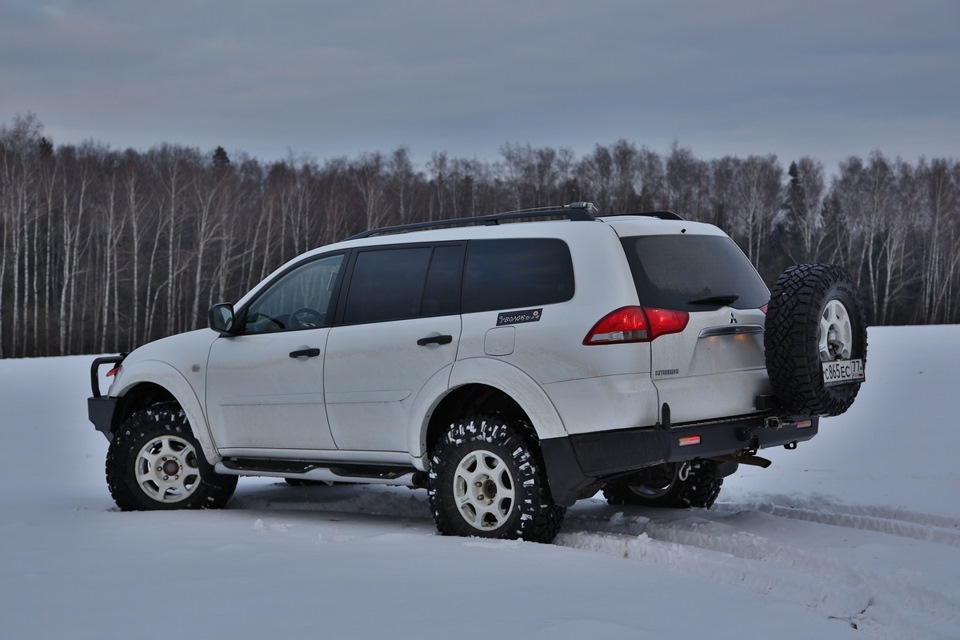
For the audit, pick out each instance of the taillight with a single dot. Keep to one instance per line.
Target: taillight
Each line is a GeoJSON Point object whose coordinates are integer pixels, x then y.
{"type": "Point", "coordinates": [764, 309]}
{"type": "Point", "coordinates": [636, 324]}
{"type": "Point", "coordinates": [113, 371]}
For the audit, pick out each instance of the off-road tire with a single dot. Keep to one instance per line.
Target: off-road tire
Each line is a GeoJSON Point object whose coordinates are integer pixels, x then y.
{"type": "Point", "coordinates": [155, 463]}
{"type": "Point", "coordinates": [664, 487]}
{"type": "Point", "coordinates": [487, 480]}
{"type": "Point", "coordinates": [800, 300]}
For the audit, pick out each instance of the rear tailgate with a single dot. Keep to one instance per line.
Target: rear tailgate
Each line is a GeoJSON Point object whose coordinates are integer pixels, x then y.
{"type": "Point", "coordinates": [715, 367]}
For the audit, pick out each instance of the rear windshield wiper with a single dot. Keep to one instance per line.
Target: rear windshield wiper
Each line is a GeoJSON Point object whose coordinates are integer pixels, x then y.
{"type": "Point", "coordinates": [727, 299]}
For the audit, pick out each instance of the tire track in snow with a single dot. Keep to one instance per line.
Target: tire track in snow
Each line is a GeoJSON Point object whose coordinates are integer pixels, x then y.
{"type": "Point", "coordinates": [735, 544]}
{"type": "Point", "coordinates": [896, 522]}
{"type": "Point", "coordinates": [897, 604]}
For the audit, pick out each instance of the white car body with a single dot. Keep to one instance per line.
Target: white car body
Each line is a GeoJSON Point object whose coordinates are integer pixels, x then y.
{"type": "Point", "coordinates": [368, 397]}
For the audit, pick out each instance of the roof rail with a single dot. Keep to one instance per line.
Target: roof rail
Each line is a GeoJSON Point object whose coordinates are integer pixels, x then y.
{"type": "Point", "coordinates": [663, 215]}
{"type": "Point", "coordinates": [575, 211]}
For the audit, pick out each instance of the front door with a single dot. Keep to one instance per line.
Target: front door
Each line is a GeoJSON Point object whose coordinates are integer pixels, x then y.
{"type": "Point", "coordinates": [265, 387]}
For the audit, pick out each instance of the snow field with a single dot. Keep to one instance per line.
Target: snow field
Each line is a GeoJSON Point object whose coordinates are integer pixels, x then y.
{"type": "Point", "coordinates": [855, 534]}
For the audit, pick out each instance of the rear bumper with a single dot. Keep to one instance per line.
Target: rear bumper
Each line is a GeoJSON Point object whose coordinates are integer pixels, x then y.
{"type": "Point", "coordinates": [577, 462]}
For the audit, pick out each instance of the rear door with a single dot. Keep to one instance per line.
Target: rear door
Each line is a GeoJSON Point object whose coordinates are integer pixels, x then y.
{"type": "Point", "coordinates": [715, 367]}
{"type": "Point", "coordinates": [397, 333]}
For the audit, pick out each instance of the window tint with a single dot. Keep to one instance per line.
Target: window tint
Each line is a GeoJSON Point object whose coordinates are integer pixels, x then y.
{"type": "Point", "coordinates": [693, 273]}
{"type": "Point", "coordinates": [513, 273]}
{"type": "Point", "coordinates": [441, 295]}
{"type": "Point", "coordinates": [306, 289]}
{"type": "Point", "coordinates": [387, 284]}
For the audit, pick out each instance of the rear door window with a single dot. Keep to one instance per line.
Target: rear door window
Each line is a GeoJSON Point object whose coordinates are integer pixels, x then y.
{"type": "Point", "coordinates": [397, 283]}
{"type": "Point", "coordinates": [516, 272]}
{"type": "Point", "coordinates": [693, 273]}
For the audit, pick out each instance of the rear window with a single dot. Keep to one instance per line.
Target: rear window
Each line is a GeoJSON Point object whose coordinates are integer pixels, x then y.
{"type": "Point", "coordinates": [693, 273]}
{"type": "Point", "coordinates": [516, 272]}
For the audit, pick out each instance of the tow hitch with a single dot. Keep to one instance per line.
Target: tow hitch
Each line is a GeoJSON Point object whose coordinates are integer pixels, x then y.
{"type": "Point", "coordinates": [772, 422]}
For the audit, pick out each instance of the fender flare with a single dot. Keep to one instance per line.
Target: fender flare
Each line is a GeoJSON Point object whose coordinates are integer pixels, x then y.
{"type": "Point", "coordinates": [512, 381]}
{"type": "Point", "coordinates": [163, 375]}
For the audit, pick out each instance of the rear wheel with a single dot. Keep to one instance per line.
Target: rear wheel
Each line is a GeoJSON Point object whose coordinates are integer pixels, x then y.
{"type": "Point", "coordinates": [679, 486]}
{"type": "Point", "coordinates": [487, 481]}
{"type": "Point", "coordinates": [154, 462]}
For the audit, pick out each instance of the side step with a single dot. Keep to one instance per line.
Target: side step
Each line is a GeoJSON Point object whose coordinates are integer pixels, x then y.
{"type": "Point", "coordinates": [312, 470]}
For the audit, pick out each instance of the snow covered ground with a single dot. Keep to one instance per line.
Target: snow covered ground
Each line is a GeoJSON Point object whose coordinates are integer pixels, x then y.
{"type": "Point", "coordinates": [855, 534]}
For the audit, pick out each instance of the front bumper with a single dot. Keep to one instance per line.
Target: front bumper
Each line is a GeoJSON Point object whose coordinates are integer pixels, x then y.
{"type": "Point", "coordinates": [580, 461]}
{"type": "Point", "coordinates": [100, 408]}
{"type": "Point", "coordinates": [101, 411]}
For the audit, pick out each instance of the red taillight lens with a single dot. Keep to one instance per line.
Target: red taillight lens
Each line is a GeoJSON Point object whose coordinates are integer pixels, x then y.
{"type": "Point", "coordinates": [627, 324]}
{"type": "Point", "coordinates": [636, 324]}
{"type": "Point", "coordinates": [764, 309]}
{"type": "Point", "coordinates": [114, 371]}
{"type": "Point", "coordinates": [664, 321]}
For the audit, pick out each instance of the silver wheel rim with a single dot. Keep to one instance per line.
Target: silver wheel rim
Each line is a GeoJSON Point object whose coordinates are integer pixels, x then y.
{"type": "Point", "coordinates": [167, 469]}
{"type": "Point", "coordinates": [658, 486]}
{"type": "Point", "coordinates": [836, 332]}
{"type": "Point", "coordinates": [484, 490]}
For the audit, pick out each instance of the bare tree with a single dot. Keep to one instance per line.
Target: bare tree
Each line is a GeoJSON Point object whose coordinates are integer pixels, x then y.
{"type": "Point", "coordinates": [940, 258]}
{"type": "Point", "coordinates": [756, 202]}
{"type": "Point", "coordinates": [370, 180]}
{"type": "Point", "coordinates": [803, 209]}
{"type": "Point", "coordinates": [104, 250]}
{"type": "Point", "coordinates": [687, 184]}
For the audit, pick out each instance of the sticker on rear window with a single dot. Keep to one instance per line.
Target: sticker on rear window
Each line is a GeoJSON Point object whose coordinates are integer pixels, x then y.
{"type": "Point", "coordinates": [519, 317]}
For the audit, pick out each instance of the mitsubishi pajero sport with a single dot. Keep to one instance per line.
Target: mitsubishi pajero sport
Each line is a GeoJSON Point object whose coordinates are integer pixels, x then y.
{"type": "Point", "coordinates": [510, 364]}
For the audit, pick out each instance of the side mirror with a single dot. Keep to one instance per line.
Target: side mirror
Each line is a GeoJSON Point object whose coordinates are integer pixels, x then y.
{"type": "Point", "coordinates": [221, 319]}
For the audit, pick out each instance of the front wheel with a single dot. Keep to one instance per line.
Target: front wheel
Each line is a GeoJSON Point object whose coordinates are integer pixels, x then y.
{"type": "Point", "coordinates": [486, 481]}
{"type": "Point", "coordinates": [154, 462]}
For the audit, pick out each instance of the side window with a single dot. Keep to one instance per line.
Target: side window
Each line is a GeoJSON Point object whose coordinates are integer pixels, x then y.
{"type": "Point", "coordinates": [441, 295]}
{"type": "Point", "coordinates": [387, 284]}
{"type": "Point", "coordinates": [516, 272]}
{"type": "Point", "coordinates": [404, 282]}
{"type": "Point", "coordinates": [298, 300]}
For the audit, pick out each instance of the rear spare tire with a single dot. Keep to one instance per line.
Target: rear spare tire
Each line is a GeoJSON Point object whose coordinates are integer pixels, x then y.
{"type": "Point", "coordinates": [815, 316]}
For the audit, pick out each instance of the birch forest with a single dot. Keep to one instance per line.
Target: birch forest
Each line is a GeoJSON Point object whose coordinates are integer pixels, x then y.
{"type": "Point", "coordinates": [103, 250]}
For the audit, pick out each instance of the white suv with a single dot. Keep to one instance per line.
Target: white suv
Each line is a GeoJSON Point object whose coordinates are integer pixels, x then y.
{"type": "Point", "coordinates": [510, 364]}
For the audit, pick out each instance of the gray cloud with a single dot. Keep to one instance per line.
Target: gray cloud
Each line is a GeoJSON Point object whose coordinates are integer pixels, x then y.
{"type": "Point", "coordinates": [818, 78]}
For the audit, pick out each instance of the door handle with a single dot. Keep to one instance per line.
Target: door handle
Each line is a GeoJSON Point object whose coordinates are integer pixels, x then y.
{"type": "Point", "coordinates": [309, 353]}
{"type": "Point", "coordinates": [444, 339]}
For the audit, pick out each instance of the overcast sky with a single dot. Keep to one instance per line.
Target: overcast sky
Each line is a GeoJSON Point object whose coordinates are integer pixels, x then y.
{"type": "Point", "coordinates": [826, 79]}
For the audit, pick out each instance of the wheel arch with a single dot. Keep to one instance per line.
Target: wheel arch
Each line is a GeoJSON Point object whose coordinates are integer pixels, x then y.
{"type": "Point", "coordinates": [150, 382]}
{"type": "Point", "coordinates": [486, 385]}
{"type": "Point", "coordinates": [468, 399]}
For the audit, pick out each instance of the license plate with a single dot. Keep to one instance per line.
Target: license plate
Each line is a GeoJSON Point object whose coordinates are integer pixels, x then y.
{"type": "Point", "coordinates": [842, 372]}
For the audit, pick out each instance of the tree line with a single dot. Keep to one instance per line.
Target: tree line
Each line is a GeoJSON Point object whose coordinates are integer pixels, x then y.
{"type": "Point", "coordinates": [103, 250]}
